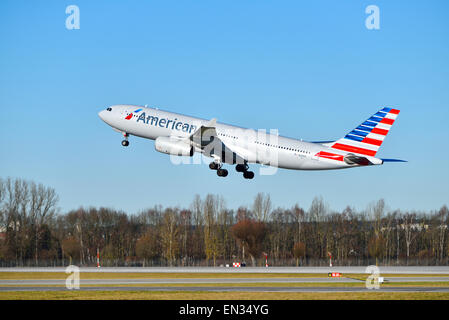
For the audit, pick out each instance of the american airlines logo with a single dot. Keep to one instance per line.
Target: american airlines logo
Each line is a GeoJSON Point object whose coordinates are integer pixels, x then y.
{"type": "Point", "coordinates": [172, 124]}
{"type": "Point", "coordinates": [129, 116]}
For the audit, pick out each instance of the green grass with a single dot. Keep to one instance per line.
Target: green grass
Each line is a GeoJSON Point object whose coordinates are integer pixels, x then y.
{"type": "Point", "coordinates": [200, 295]}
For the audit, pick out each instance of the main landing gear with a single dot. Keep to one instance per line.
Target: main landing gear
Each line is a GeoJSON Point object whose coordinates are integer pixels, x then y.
{"type": "Point", "coordinates": [217, 166]}
{"type": "Point", "coordinates": [244, 168]}
{"type": "Point", "coordinates": [125, 142]}
{"type": "Point", "coordinates": [223, 172]}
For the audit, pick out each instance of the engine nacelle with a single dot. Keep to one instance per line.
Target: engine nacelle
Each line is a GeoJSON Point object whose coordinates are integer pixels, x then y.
{"type": "Point", "coordinates": [174, 147]}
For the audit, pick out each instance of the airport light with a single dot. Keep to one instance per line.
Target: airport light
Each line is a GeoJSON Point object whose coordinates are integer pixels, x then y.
{"type": "Point", "coordinates": [334, 275]}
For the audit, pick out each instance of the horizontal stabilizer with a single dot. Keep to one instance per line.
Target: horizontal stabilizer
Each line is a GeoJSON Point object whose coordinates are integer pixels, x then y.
{"type": "Point", "coordinates": [393, 160]}
{"type": "Point", "coordinates": [322, 142]}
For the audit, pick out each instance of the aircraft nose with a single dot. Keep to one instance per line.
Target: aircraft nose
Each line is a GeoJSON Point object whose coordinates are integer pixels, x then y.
{"type": "Point", "coordinates": [101, 114]}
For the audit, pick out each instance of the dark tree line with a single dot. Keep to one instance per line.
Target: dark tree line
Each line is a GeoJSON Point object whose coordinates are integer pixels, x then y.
{"type": "Point", "coordinates": [33, 232]}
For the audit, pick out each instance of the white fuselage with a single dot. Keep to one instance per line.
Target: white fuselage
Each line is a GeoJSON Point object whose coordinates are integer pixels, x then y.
{"type": "Point", "coordinates": [254, 146]}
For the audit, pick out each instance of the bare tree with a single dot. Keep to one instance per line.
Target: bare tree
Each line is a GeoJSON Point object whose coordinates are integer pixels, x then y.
{"type": "Point", "coordinates": [376, 247]}
{"type": "Point", "coordinates": [146, 246]}
{"type": "Point", "coordinates": [443, 217]}
{"type": "Point", "coordinates": [376, 211]}
{"type": "Point", "coordinates": [212, 246]}
{"type": "Point", "coordinates": [185, 219]}
{"type": "Point", "coordinates": [25, 207]}
{"type": "Point", "coordinates": [71, 248]}
{"type": "Point", "coordinates": [33, 231]}
{"type": "Point", "coordinates": [262, 206]}
{"type": "Point", "coordinates": [250, 234]}
{"type": "Point", "coordinates": [2, 213]}
{"type": "Point", "coordinates": [243, 214]}
{"type": "Point", "coordinates": [387, 232]}
{"type": "Point", "coordinates": [299, 251]}
{"type": "Point", "coordinates": [42, 209]}
{"type": "Point", "coordinates": [317, 213]}
{"type": "Point", "coordinates": [169, 236]}
{"type": "Point", "coordinates": [409, 226]}
{"type": "Point", "coordinates": [298, 214]}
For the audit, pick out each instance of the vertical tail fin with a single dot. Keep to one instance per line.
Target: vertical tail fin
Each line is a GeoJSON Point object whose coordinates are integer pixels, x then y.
{"type": "Point", "coordinates": [367, 138]}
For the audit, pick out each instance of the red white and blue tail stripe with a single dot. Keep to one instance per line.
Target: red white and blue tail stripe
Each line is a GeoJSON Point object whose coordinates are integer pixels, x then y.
{"type": "Point", "coordinates": [368, 137]}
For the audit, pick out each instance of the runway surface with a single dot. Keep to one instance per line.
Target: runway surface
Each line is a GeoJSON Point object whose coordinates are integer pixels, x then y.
{"type": "Point", "coordinates": [321, 270]}
{"type": "Point", "coordinates": [9, 285]}
{"type": "Point", "coordinates": [235, 289]}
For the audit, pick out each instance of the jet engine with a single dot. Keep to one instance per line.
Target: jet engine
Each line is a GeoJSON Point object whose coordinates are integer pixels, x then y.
{"type": "Point", "coordinates": [173, 146]}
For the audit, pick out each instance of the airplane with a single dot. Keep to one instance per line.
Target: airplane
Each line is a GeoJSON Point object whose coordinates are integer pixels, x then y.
{"type": "Point", "coordinates": [181, 135]}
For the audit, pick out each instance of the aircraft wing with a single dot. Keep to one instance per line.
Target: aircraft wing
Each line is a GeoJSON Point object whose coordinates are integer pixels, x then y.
{"type": "Point", "coordinates": [206, 139]}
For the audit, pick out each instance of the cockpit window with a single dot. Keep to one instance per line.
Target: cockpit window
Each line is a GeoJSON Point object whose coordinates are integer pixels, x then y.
{"type": "Point", "coordinates": [109, 109]}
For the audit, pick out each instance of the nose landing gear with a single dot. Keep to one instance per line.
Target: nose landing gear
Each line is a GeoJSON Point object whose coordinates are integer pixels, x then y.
{"type": "Point", "coordinates": [125, 142]}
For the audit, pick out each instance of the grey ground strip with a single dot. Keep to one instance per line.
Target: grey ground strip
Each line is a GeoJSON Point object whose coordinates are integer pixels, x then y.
{"type": "Point", "coordinates": [385, 270]}
{"type": "Point", "coordinates": [178, 280]}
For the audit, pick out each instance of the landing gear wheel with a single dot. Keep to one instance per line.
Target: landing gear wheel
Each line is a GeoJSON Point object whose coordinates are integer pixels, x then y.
{"type": "Point", "coordinates": [222, 172]}
{"type": "Point", "coordinates": [248, 174]}
{"type": "Point", "coordinates": [241, 167]}
{"type": "Point", "coordinates": [213, 166]}
{"type": "Point", "coordinates": [125, 143]}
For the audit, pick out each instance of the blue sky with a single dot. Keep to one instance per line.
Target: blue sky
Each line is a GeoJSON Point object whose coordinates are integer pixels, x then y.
{"type": "Point", "coordinates": [312, 70]}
